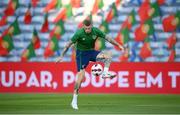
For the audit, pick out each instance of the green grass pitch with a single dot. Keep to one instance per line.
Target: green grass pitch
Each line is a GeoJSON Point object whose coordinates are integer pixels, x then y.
{"type": "Point", "coordinates": [89, 104]}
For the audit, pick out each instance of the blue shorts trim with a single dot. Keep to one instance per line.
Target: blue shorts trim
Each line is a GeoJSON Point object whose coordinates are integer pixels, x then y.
{"type": "Point", "coordinates": [83, 58]}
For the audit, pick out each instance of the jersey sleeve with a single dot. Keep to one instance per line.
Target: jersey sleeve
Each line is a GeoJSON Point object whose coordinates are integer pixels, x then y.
{"type": "Point", "coordinates": [99, 33]}
{"type": "Point", "coordinates": [75, 37]}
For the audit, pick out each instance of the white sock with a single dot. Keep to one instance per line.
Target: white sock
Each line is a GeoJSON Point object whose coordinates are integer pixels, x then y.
{"type": "Point", "coordinates": [106, 69]}
{"type": "Point", "coordinates": [74, 98]}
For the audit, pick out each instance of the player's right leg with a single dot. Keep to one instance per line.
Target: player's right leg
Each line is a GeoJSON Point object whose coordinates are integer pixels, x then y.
{"type": "Point", "coordinates": [81, 62]}
{"type": "Point", "coordinates": [80, 77]}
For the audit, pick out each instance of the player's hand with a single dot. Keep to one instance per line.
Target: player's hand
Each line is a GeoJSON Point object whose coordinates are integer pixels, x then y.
{"type": "Point", "coordinates": [121, 47]}
{"type": "Point", "coordinates": [59, 59]}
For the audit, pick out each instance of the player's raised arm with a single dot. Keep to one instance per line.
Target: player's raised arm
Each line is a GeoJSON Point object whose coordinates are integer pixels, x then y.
{"type": "Point", "coordinates": [112, 41]}
{"type": "Point", "coordinates": [59, 59]}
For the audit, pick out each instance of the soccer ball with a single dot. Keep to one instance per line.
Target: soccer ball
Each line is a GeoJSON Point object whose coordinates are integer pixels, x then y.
{"type": "Point", "coordinates": [96, 69]}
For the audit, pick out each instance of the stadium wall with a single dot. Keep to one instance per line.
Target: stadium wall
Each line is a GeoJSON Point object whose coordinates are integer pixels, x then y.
{"type": "Point", "coordinates": [140, 78]}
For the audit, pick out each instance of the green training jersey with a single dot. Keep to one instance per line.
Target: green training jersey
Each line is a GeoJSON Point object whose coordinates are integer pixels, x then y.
{"type": "Point", "coordinates": [86, 41]}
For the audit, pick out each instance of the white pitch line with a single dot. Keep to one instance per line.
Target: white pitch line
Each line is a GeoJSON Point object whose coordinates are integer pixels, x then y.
{"type": "Point", "coordinates": [158, 105]}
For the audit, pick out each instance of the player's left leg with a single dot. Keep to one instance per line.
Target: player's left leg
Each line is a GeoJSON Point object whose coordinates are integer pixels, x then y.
{"type": "Point", "coordinates": [106, 58]}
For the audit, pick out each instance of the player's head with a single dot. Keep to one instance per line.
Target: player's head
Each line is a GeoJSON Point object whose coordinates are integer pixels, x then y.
{"type": "Point", "coordinates": [87, 25]}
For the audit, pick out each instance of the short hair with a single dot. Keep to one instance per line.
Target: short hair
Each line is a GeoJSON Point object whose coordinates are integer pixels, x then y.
{"type": "Point", "coordinates": [87, 22]}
